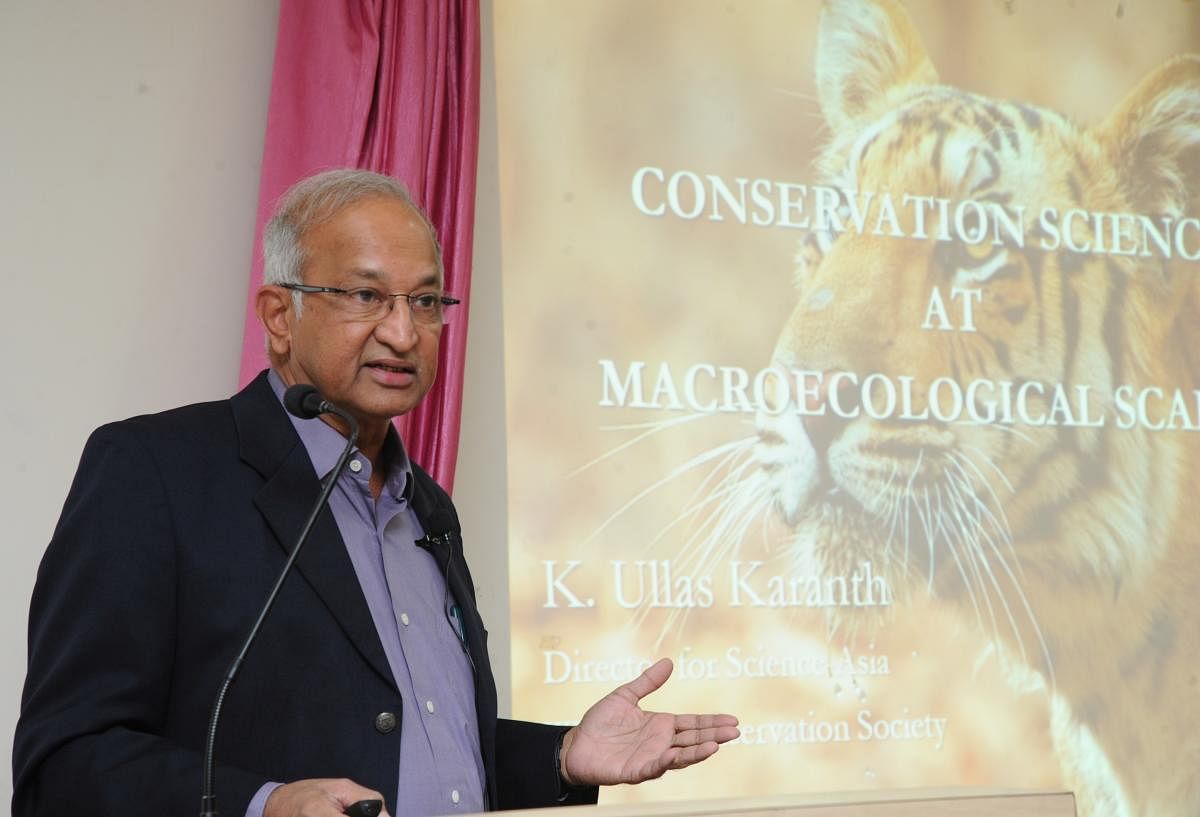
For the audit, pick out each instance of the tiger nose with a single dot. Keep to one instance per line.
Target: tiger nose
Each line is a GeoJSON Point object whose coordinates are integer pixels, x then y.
{"type": "Point", "coordinates": [820, 404]}
{"type": "Point", "coordinates": [827, 407]}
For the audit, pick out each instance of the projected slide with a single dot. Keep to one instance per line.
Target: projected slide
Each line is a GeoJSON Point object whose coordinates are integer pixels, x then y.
{"type": "Point", "coordinates": [853, 362]}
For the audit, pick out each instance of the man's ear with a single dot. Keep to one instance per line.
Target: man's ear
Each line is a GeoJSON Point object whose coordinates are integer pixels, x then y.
{"type": "Point", "coordinates": [273, 305]}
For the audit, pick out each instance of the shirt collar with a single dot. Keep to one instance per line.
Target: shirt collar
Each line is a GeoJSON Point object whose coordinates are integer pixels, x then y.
{"type": "Point", "coordinates": [324, 445]}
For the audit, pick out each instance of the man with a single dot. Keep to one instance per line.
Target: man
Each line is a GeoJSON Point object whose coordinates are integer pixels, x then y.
{"type": "Point", "coordinates": [370, 678]}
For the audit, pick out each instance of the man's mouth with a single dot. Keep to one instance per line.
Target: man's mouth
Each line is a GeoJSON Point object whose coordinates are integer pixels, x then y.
{"type": "Point", "coordinates": [401, 369]}
{"type": "Point", "coordinates": [393, 375]}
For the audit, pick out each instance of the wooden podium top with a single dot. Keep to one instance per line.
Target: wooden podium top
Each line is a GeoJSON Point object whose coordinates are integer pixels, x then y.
{"type": "Point", "coordinates": [942, 802]}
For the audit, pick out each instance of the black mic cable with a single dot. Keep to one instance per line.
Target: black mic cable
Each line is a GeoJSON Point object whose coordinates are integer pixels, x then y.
{"type": "Point", "coordinates": [305, 402]}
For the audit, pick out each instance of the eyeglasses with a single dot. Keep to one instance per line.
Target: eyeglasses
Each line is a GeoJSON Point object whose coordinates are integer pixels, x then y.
{"type": "Point", "coordinates": [371, 304]}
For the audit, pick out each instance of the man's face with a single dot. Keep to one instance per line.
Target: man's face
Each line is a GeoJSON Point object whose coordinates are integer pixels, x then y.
{"type": "Point", "coordinates": [375, 370]}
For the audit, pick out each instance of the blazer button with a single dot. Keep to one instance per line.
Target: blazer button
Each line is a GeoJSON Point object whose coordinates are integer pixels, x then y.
{"type": "Point", "coordinates": [385, 722]}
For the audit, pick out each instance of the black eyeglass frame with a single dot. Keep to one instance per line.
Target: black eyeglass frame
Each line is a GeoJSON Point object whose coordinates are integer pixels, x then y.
{"type": "Point", "coordinates": [445, 300]}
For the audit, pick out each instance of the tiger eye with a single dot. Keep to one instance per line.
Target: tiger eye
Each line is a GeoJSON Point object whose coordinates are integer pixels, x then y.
{"type": "Point", "coordinates": [979, 252]}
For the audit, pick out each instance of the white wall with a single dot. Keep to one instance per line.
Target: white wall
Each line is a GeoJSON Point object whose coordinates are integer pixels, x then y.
{"type": "Point", "coordinates": [130, 147]}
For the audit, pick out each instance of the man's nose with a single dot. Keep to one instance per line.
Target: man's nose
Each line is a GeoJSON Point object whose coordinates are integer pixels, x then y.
{"type": "Point", "coordinates": [397, 328]}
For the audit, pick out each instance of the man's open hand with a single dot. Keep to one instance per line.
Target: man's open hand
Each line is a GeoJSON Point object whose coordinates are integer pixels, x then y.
{"type": "Point", "coordinates": [618, 742]}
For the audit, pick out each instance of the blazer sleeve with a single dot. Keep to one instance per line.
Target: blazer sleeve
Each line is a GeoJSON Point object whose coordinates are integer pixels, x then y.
{"type": "Point", "coordinates": [91, 737]}
{"type": "Point", "coordinates": [526, 772]}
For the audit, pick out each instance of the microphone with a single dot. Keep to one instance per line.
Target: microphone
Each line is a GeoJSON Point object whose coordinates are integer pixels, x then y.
{"type": "Point", "coordinates": [437, 535]}
{"type": "Point", "coordinates": [437, 541]}
{"type": "Point", "coordinates": [305, 402]}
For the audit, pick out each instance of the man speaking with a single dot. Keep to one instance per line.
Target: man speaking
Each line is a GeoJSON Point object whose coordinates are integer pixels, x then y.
{"type": "Point", "coordinates": [370, 677]}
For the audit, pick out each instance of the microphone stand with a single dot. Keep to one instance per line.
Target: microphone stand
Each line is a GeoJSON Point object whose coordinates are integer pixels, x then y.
{"type": "Point", "coordinates": [208, 800]}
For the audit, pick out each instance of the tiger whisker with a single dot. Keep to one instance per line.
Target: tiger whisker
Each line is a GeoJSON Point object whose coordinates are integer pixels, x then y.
{"type": "Point", "coordinates": [712, 535]}
{"type": "Point", "coordinates": [962, 520]}
{"type": "Point", "coordinates": [674, 474]}
{"type": "Point", "coordinates": [1029, 613]}
{"type": "Point", "coordinates": [1001, 525]}
{"type": "Point", "coordinates": [1000, 427]}
{"type": "Point", "coordinates": [745, 496]}
{"type": "Point", "coordinates": [888, 512]}
{"type": "Point", "coordinates": [949, 541]}
{"type": "Point", "coordinates": [712, 499]}
{"type": "Point", "coordinates": [927, 522]}
{"type": "Point", "coordinates": [994, 547]}
{"type": "Point", "coordinates": [712, 542]}
{"type": "Point", "coordinates": [735, 514]}
{"type": "Point", "coordinates": [988, 461]}
{"type": "Point", "coordinates": [981, 568]}
{"type": "Point", "coordinates": [796, 95]}
{"type": "Point", "coordinates": [652, 428]}
{"type": "Point", "coordinates": [880, 504]}
{"type": "Point", "coordinates": [765, 518]}
{"type": "Point", "coordinates": [909, 504]}
{"type": "Point", "coordinates": [730, 482]}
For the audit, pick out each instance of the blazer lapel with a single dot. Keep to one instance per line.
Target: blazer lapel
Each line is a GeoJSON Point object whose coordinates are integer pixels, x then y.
{"type": "Point", "coordinates": [289, 491]}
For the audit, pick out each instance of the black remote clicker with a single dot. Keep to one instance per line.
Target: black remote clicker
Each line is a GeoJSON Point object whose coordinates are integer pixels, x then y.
{"type": "Point", "coordinates": [365, 808]}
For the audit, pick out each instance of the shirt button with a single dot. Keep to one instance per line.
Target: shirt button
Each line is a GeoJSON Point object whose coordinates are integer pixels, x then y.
{"type": "Point", "coordinates": [454, 796]}
{"type": "Point", "coordinates": [429, 707]}
{"type": "Point", "coordinates": [355, 466]}
{"type": "Point", "coordinates": [404, 619]}
{"type": "Point", "coordinates": [385, 722]}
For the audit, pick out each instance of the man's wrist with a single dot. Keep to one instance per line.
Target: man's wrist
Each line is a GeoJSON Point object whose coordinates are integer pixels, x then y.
{"type": "Point", "coordinates": [258, 804]}
{"type": "Point", "coordinates": [561, 747]}
{"type": "Point", "coordinates": [560, 756]}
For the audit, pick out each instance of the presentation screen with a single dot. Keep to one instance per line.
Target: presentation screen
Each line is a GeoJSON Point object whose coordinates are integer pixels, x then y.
{"type": "Point", "coordinates": [851, 359]}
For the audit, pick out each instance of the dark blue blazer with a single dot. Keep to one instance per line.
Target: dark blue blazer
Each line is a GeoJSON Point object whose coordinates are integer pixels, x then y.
{"type": "Point", "coordinates": [173, 533]}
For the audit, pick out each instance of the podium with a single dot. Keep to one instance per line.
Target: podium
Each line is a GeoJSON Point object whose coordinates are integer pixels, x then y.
{"type": "Point", "coordinates": [949, 802]}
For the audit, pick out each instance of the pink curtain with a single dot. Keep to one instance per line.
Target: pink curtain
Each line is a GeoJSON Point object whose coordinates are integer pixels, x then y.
{"type": "Point", "coordinates": [390, 86]}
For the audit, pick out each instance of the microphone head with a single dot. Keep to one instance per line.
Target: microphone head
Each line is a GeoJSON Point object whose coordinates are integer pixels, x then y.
{"type": "Point", "coordinates": [304, 401]}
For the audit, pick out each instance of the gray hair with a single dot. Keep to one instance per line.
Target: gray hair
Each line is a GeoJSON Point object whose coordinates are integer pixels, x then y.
{"type": "Point", "coordinates": [319, 198]}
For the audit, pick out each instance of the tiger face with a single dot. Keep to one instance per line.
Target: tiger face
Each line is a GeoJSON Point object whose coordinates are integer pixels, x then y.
{"type": "Point", "coordinates": [995, 515]}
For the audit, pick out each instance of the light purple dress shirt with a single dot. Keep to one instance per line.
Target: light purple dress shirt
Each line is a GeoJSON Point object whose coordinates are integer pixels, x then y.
{"type": "Point", "coordinates": [441, 769]}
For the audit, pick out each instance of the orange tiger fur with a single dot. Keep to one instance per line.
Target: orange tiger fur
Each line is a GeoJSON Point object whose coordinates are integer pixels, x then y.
{"type": "Point", "coordinates": [1076, 549]}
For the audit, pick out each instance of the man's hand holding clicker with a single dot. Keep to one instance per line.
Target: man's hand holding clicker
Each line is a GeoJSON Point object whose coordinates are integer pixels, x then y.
{"type": "Point", "coordinates": [317, 798]}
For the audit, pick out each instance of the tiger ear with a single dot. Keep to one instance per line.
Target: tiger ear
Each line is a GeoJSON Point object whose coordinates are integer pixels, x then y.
{"type": "Point", "coordinates": [1153, 139]}
{"type": "Point", "coordinates": [865, 49]}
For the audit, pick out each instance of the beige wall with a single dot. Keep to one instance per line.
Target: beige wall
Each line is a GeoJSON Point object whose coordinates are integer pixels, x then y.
{"type": "Point", "coordinates": [481, 480]}
{"type": "Point", "coordinates": [130, 157]}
